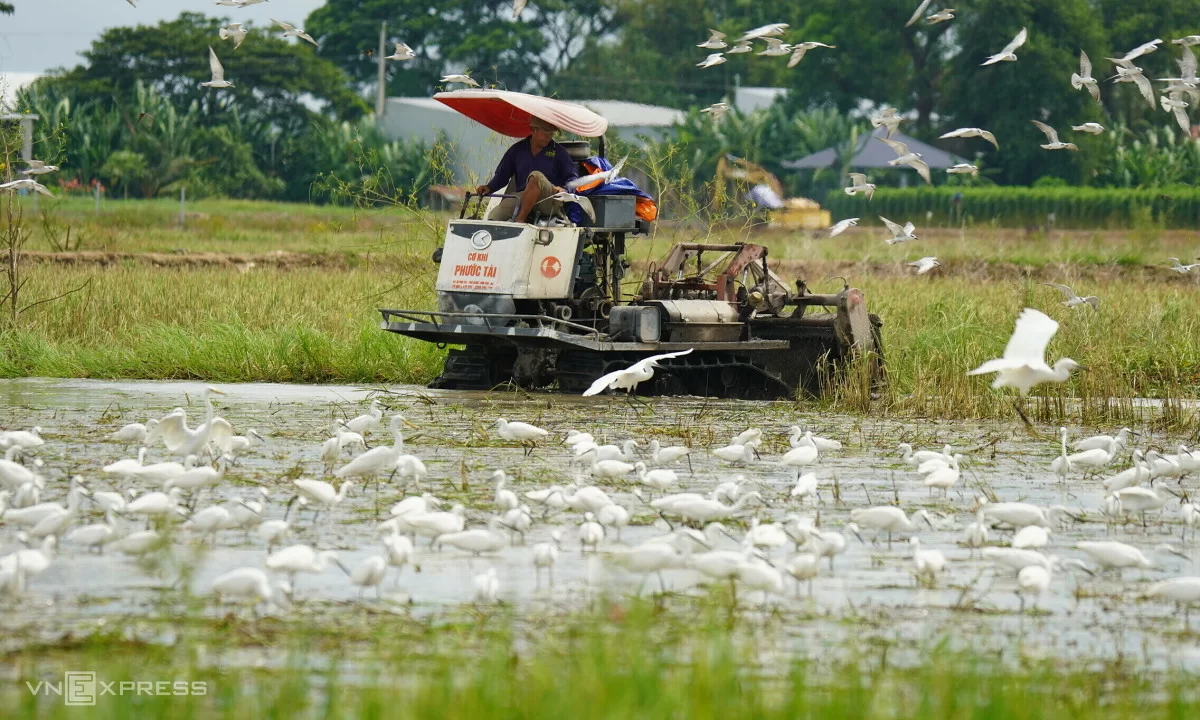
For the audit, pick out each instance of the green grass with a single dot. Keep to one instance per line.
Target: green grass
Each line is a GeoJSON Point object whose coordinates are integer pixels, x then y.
{"type": "Point", "coordinates": [296, 323]}
{"type": "Point", "coordinates": [626, 659]}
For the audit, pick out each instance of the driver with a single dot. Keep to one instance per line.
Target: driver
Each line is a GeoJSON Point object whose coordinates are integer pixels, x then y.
{"type": "Point", "coordinates": [538, 167]}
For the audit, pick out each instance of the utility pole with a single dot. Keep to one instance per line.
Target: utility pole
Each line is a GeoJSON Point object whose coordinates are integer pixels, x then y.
{"type": "Point", "coordinates": [381, 82]}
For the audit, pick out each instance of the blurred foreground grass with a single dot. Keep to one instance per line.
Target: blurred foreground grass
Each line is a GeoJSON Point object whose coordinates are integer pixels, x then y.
{"type": "Point", "coordinates": [627, 660]}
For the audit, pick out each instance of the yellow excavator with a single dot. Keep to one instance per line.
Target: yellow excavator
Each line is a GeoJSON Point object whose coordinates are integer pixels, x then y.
{"type": "Point", "coordinates": [763, 191]}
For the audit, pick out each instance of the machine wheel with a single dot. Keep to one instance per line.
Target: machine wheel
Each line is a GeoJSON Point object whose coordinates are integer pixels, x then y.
{"type": "Point", "coordinates": [475, 367]}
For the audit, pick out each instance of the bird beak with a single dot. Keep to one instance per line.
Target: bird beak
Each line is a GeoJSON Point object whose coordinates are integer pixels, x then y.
{"type": "Point", "coordinates": [342, 566]}
{"type": "Point", "coordinates": [414, 427]}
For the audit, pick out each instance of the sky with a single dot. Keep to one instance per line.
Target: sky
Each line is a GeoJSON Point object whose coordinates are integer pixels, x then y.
{"type": "Point", "coordinates": [45, 34]}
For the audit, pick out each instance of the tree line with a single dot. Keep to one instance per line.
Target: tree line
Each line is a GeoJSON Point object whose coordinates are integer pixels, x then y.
{"type": "Point", "coordinates": [134, 116]}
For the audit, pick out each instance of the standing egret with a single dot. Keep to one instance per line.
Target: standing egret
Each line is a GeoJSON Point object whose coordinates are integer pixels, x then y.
{"type": "Point", "coordinates": [1031, 537]}
{"type": "Point", "coordinates": [886, 518]}
{"type": "Point", "coordinates": [629, 378]}
{"type": "Point", "coordinates": [399, 552]}
{"type": "Point", "coordinates": [365, 423]}
{"type": "Point", "coordinates": [518, 520]}
{"type": "Point", "coordinates": [976, 534]}
{"type": "Point", "coordinates": [295, 559]}
{"type": "Point", "coordinates": [524, 433]}
{"type": "Point", "coordinates": [806, 485]}
{"type": "Point", "coordinates": [133, 433]}
{"type": "Point", "coordinates": [369, 573]}
{"type": "Point", "coordinates": [487, 587]}
{"type": "Point", "coordinates": [1130, 477]}
{"type": "Point", "coordinates": [705, 510]}
{"type": "Point", "coordinates": [672, 453]}
{"type": "Point", "coordinates": [476, 540]}
{"type": "Point", "coordinates": [545, 554]}
{"type": "Point", "coordinates": [659, 479]}
{"type": "Point", "coordinates": [1103, 442]}
{"type": "Point", "coordinates": [1032, 580]}
{"type": "Point", "coordinates": [1189, 516]}
{"type": "Point", "coordinates": [945, 476]}
{"type": "Point", "coordinates": [927, 564]}
{"type": "Point", "coordinates": [377, 460]}
{"type": "Point", "coordinates": [248, 585]}
{"type": "Point", "coordinates": [1112, 555]}
{"type": "Point", "coordinates": [803, 566]}
{"type": "Point", "coordinates": [613, 516]}
{"type": "Point", "coordinates": [1183, 591]}
{"type": "Point", "coordinates": [800, 456]}
{"type": "Point", "coordinates": [504, 499]}
{"type": "Point", "coordinates": [319, 492]}
{"type": "Point", "coordinates": [590, 533]}
{"type": "Point", "coordinates": [736, 453]}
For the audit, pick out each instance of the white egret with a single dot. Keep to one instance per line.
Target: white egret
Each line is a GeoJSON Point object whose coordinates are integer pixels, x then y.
{"type": "Point", "coordinates": [1183, 591]}
{"type": "Point", "coordinates": [320, 493]}
{"type": "Point", "coordinates": [976, 534]}
{"type": "Point", "coordinates": [591, 533]}
{"type": "Point", "coordinates": [926, 564]}
{"type": "Point", "coordinates": [127, 468]}
{"type": "Point", "coordinates": [545, 554]}
{"type": "Point", "coordinates": [586, 499]}
{"type": "Point", "coordinates": [1008, 53]}
{"type": "Point", "coordinates": [208, 522]}
{"type": "Point", "coordinates": [1031, 537]}
{"type": "Point", "coordinates": [435, 524]}
{"type": "Point", "coordinates": [487, 587]}
{"type": "Point", "coordinates": [368, 421]}
{"type": "Point", "coordinates": [476, 540]}
{"type": "Point", "coordinates": [271, 532]}
{"type": "Point", "coordinates": [1032, 580]}
{"type": "Point", "coordinates": [155, 504]}
{"type": "Point", "coordinates": [704, 510]}
{"type": "Point", "coordinates": [524, 433]}
{"type": "Point", "coordinates": [806, 485]}
{"type": "Point", "coordinates": [295, 559]}
{"type": "Point", "coordinates": [377, 460]}
{"type": "Point", "coordinates": [1016, 559]}
{"type": "Point", "coordinates": [518, 520]}
{"type": "Point", "coordinates": [1023, 365]}
{"type": "Point", "coordinates": [765, 535]}
{"type": "Point", "coordinates": [944, 477]}
{"type": "Point", "coordinates": [803, 567]}
{"type": "Point", "coordinates": [1110, 554]}
{"type": "Point", "coordinates": [629, 378]}
{"type": "Point", "coordinates": [249, 585]}
{"type": "Point", "coordinates": [369, 573]}
{"type": "Point", "coordinates": [21, 439]}
{"type": "Point", "coordinates": [613, 516]}
{"type": "Point", "coordinates": [504, 498]}
{"type": "Point", "coordinates": [659, 479]}
{"type": "Point", "coordinates": [399, 551]}
{"type": "Point", "coordinates": [181, 440]}
{"type": "Point", "coordinates": [95, 536]}
{"type": "Point", "coordinates": [133, 433]}
{"type": "Point", "coordinates": [1130, 477]}
{"type": "Point", "coordinates": [743, 454]}
{"type": "Point", "coordinates": [886, 518]}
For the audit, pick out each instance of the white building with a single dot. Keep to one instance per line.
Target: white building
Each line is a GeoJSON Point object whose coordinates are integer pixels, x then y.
{"type": "Point", "coordinates": [477, 150]}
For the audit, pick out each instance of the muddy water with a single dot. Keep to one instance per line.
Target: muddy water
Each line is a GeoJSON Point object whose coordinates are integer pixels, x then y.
{"type": "Point", "coordinates": [871, 591]}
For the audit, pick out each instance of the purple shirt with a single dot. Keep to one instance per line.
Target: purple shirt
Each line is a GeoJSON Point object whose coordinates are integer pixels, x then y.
{"type": "Point", "coordinates": [553, 161]}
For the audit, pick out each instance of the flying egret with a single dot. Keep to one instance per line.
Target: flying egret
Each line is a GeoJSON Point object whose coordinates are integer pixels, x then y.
{"type": "Point", "coordinates": [218, 72]}
{"type": "Point", "coordinates": [1052, 141]}
{"type": "Point", "coordinates": [1072, 300]}
{"type": "Point", "coordinates": [629, 378]}
{"type": "Point", "coordinates": [1024, 363]}
{"type": "Point", "coordinates": [859, 184]}
{"type": "Point", "coordinates": [1008, 54]}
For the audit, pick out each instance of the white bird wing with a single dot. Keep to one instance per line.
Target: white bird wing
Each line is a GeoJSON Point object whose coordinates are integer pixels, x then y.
{"type": "Point", "coordinates": [1143, 85]}
{"type": "Point", "coordinates": [989, 137]}
{"type": "Point", "coordinates": [858, 179]}
{"type": "Point", "coordinates": [664, 356]}
{"type": "Point", "coordinates": [773, 43]}
{"type": "Point", "coordinates": [286, 26]}
{"type": "Point", "coordinates": [715, 35]}
{"type": "Point", "coordinates": [1016, 42]}
{"type": "Point", "coordinates": [1085, 65]}
{"type": "Point", "coordinates": [1051, 133]}
{"type": "Point", "coordinates": [1032, 334]}
{"type": "Point", "coordinates": [797, 56]}
{"type": "Point", "coordinates": [1187, 63]}
{"type": "Point", "coordinates": [218, 72]}
{"type": "Point", "coordinates": [38, 187]}
{"type": "Point", "coordinates": [1067, 292]}
{"type": "Point", "coordinates": [922, 169]}
{"type": "Point", "coordinates": [603, 383]}
{"type": "Point", "coordinates": [306, 38]}
{"type": "Point", "coordinates": [1182, 119]}
{"type": "Point", "coordinates": [897, 147]}
{"type": "Point", "coordinates": [917, 15]}
{"type": "Point", "coordinates": [961, 132]}
{"type": "Point", "coordinates": [895, 229]}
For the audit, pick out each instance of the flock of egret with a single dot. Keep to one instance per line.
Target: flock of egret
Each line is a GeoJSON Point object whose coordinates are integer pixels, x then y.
{"type": "Point", "coordinates": [758, 513]}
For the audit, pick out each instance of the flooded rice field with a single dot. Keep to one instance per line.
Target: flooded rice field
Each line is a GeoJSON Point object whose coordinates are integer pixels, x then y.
{"type": "Point", "coordinates": [871, 591]}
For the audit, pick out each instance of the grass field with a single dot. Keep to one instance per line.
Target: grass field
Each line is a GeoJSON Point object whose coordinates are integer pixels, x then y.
{"type": "Point", "coordinates": [251, 318]}
{"type": "Point", "coordinates": [627, 659]}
